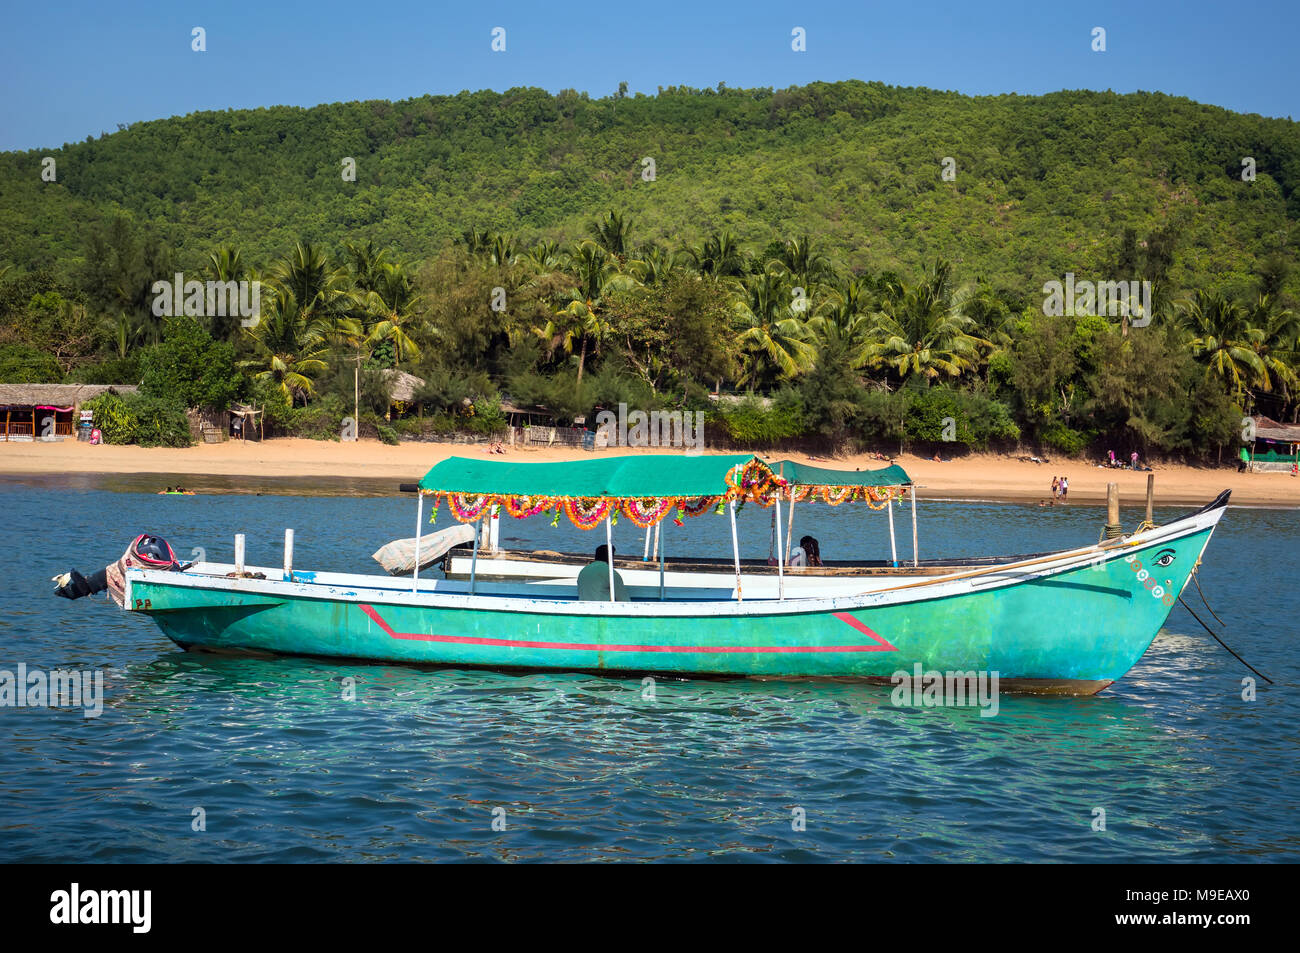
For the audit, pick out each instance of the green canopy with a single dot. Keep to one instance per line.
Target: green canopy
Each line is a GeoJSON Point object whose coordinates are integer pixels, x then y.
{"type": "Point", "coordinates": [802, 474]}
{"type": "Point", "coordinates": [623, 477]}
{"type": "Point", "coordinates": [632, 476]}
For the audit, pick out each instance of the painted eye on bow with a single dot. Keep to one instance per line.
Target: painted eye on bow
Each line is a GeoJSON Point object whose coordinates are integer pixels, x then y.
{"type": "Point", "coordinates": [1164, 557]}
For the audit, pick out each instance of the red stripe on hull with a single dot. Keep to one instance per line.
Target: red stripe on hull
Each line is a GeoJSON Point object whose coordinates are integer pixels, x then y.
{"type": "Point", "coordinates": [880, 646]}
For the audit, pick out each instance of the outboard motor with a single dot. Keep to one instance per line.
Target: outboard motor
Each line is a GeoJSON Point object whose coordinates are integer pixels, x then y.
{"type": "Point", "coordinates": [145, 552]}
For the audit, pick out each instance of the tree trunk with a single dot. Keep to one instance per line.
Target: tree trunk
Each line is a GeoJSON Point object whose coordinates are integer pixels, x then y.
{"type": "Point", "coordinates": [582, 359]}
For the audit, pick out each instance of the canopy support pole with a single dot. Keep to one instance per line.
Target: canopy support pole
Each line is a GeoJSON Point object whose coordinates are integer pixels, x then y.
{"type": "Point", "coordinates": [473, 562]}
{"type": "Point", "coordinates": [419, 524]}
{"type": "Point", "coordinates": [912, 494]}
{"type": "Point", "coordinates": [646, 555]}
{"type": "Point", "coordinates": [660, 552]}
{"type": "Point", "coordinates": [789, 526]}
{"type": "Point", "coordinates": [893, 548]}
{"type": "Point", "coordinates": [609, 552]}
{"type": "Point", "coordinates": [780, 562]}
{"type": "Point", "coordinates": [735, 548]}
{"type": "Point", "coordinates": [774, 537]}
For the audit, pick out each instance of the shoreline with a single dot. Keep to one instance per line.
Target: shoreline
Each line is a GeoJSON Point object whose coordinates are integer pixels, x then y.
{"type": "Point", "coordinates": [315, 464]}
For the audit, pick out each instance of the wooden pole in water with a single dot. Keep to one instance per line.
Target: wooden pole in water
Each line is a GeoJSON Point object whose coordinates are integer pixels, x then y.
{"type": "Point", "coordinates": [239, 554]}
{"type": "Point", "coordinates": [288, 555]}
{"type": "Point", "coordinates": [419, 526]}
{"type": "Point", "coordinates": [609, 551]}
{"type": "Point", "coordinates": [912, 494]}
{"type": "Point", "coordinates": [735, 548]}
{"type": "Point", "coordinates": [893, 547]}
{"type": "Point", "coordinates": [1113, 527]}
{"type": "Point", "coordinates": [1151, 498]}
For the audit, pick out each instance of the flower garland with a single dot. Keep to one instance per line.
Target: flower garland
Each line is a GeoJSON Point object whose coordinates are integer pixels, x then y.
{"type": "Point", "coordinates": [752, 481]}
{"type": "Point", "coordinates": [880, 495]}
{"type": "Point", "coordinates": [835, 495]}
{"type": "Point", "coordinates": [699, 505]}
{"type": "Point", "coordinates": [467, 508]}
{"type": "Point", "coordinates": [522, 507]}
{"type": "Point", "coordinates": [648, 511]}
{"type": "Point", "coordinates": [587, 512]}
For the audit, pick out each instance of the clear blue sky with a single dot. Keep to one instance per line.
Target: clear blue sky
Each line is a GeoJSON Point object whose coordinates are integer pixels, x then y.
{"type": "Point", "coordinates": [72, 69]}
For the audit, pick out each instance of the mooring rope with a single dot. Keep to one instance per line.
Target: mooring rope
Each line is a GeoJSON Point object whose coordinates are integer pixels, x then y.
{"type": "Point", "coordinates": [1203, 599]}
{"type": "Point", "coordinates": [1223, 643]}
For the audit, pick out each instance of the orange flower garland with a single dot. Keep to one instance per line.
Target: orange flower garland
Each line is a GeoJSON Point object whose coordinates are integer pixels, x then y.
{"type": "Point", "coordinates": [587, 512]}
{"type": "Point", "coordinates": [648, 511]}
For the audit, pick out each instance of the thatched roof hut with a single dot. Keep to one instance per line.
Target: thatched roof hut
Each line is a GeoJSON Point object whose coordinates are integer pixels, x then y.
{"type": "Point", "coordinates": [401, 385]}
{"type": "Point", "coordinates": [56, 395]}
{"type": "Point", "coordinates": [28, 411]}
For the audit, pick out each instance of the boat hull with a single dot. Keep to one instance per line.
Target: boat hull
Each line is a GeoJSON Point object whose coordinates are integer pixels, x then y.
{"type": "Point", "coordinates": [1073, 623]}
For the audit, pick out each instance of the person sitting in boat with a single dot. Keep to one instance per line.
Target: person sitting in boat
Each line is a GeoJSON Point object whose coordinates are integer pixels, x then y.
{"type": "Point", "coordinates": [593, 580]}
{"type": "Point", "coordinates": [807, 553]}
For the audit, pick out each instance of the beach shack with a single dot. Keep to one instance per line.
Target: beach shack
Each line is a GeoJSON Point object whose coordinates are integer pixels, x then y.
{"type": "Point", "coordinates": [1276, 446]}
{"type": "Point", "coordinates": [33, 411]}
{"type": "Point", "coordinates": [402, 388]}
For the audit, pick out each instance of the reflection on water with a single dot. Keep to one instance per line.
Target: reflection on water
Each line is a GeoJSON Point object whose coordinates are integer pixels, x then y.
{"type": "Point", "coordinates": [286, 768]}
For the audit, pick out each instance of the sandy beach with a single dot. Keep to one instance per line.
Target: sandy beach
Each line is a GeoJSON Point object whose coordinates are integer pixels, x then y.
{"type": "Point", "coordinates": [973, 477]}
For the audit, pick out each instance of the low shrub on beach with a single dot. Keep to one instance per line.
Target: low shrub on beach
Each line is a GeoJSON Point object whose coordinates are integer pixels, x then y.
{"type": "Point", "coordinates": [139, 419]}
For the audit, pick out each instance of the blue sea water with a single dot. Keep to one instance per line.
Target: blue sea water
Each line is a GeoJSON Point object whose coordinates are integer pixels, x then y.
{"type": "Point", "coordinates": [279, 766]}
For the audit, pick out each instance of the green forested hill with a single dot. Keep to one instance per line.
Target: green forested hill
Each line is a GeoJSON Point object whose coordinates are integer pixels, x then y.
{"type": "Point", "coordinates": [1043, 184]}
{"type": "Point", "coordinates": [803, 244]}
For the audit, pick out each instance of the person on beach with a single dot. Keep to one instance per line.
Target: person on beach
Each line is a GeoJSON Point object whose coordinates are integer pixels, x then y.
{"type": "Point", "coordinates": [593, 580]}
{"type": "Point", "coordinates": [1112, 458]}
{"type": "Point", "coordinates": [1056, 487]}
{"type": "Point", "coordinates": [1133, 457]}
{"type": "Point", "coordinates": [1065, 488]}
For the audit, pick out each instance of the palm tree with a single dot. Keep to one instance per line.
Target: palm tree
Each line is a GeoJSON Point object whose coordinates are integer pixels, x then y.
{"type": "Point", "coordinates": [1275, 343]}
{"type": "Point", "coordinates": [773, 337]}
{"type": "Point", "coordinates": [394, 304]}
{"type": "Point", "coordinates": [844, 320]}
{"type": "Point", "coordinates": [126, 334]}
{"type": "Point", "coordinates": [579, 322]}
{"type": "Point", "coordinates": [321, 290]}
{"type": "Point", "coordinates": [1224, 341]}
{"type": "Point", "coordinates": [806, 266]}
{"type": "Point", "coordinates": [719, 254]}
{"type": "Point", "coordinates": [655, 265]}
{"type": "Point", "coordinates": [613, 234]}
{"type": "Point", "coordinates": [366, 263]}
{"type": "Point", "coordinates": [290, 345]}
{"type": "Point", "coordinates": [225, 264]}
{"type": "Point", "coordinates": [924, 329]}
{"type": "Point", "coordinates": [545, 256]}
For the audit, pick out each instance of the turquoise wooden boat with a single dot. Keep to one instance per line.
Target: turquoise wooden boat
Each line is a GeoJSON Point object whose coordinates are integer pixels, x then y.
{"type": "Point", "coordinates": [1065, 622]}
